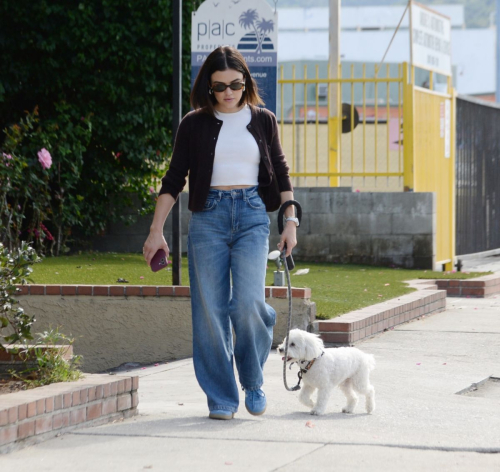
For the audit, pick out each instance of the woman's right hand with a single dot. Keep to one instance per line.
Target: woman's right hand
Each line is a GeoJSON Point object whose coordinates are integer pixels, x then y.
{"type": "Point", "coordinates": [154, 242]}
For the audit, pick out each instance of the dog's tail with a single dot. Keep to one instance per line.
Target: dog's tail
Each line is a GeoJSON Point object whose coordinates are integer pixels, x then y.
{"type": "Point", "coordinates": [370, 361]}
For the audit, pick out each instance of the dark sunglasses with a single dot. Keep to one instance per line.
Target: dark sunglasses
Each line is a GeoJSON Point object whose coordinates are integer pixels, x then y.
{"type": "Point", "coordinates": [218, 87]}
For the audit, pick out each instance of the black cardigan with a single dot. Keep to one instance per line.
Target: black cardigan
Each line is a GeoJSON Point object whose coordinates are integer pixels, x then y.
{"type": "Point", "coordinates": [194, 150]}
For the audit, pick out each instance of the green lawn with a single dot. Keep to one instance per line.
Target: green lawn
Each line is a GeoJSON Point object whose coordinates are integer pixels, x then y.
{"type": "Point", "coordinates": [336, 288]}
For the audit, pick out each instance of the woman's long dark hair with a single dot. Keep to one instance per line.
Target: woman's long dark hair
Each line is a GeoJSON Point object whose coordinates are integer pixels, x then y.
{"type": "Point", "coordinates": [220, 59]}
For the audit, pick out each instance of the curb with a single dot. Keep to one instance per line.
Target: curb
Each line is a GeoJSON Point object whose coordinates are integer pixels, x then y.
{"type": "Point", "coordinates": [479, 287]}
{"type": "Point", "coordinates": [355, 326]}
{"type": "Point", "coordinates": [32, 416]}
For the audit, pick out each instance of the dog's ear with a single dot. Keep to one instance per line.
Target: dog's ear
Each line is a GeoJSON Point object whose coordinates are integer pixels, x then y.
{"type": "Point", "coordinates": [313, 346]}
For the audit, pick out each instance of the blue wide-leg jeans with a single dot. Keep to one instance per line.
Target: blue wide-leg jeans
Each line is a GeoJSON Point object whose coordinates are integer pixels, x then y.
{"type": "Point", "coordinates": [227, 252]}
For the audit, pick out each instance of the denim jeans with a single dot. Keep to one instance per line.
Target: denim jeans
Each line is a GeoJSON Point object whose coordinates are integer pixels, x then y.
{"type": "Point", "coordinates": [228, 242]}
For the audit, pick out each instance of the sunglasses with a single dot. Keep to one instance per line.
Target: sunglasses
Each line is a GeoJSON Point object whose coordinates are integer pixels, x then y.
{"type": "Point", "coordinates": [218, 87]}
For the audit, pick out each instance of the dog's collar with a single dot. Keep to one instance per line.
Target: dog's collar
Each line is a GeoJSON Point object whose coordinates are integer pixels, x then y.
{"type": "Point", "coordinates": [305, 369]}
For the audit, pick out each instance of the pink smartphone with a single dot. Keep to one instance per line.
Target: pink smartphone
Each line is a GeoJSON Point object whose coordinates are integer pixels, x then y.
{"type": "Point", "coordinates": [159, 260]}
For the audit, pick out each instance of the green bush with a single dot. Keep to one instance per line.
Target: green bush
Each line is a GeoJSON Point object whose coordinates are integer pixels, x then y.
{"type": "Point", "coordinates": [36, 191]}
{"type": "Point", "coordinates": [48, 350]}
{"type": "Point", "coordinates": [96, 77]}
{"type": "Point", "coordinates": [50, 365]}
{"type": "Point", "coordinates": [15, 269]}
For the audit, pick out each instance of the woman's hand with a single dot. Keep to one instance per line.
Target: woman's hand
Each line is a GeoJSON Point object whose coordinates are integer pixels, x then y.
{"type": "Point", "coordinates": [288, 236]}
{"type": "Point", "coordinates": [154, 242]}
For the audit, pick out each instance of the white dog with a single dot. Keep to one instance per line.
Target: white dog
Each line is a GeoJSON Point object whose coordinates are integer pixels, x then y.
{"type": "Point", "coordinates": [325, 369]}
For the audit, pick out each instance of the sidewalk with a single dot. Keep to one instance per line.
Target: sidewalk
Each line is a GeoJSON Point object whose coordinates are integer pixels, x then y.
{"type": "Point", "coordinates": [420, 423]}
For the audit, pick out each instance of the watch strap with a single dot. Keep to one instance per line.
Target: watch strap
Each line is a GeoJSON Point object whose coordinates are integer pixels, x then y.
{"type": "Point", "coordinates": [292, 218]}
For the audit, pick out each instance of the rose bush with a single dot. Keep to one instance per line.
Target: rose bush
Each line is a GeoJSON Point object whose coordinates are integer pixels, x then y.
{"type": "Point", "coordinates": [38, 186]}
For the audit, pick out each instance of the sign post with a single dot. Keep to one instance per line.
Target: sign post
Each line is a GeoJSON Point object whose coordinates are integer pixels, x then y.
{"type": "Point", "coordinates": [334, 97]}
{"type": "Point", "coordinates": [498, 52]}
{"type": "Point", "coordinates": [176, 119]}
{"type": "Point", "coordinates": [251, 26]}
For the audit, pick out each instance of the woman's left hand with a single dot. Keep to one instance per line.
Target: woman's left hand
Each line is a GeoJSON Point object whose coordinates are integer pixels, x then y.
{"type": "Point", "coordinates": [288, 236]}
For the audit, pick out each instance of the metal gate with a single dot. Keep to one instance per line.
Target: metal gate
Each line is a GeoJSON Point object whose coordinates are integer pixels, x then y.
{"type": "Point", "coordinates": [429, 136]}
{"type": "Point", "coordinates": [375, 156]}
{"type": "Point", "coordinates": [477, 176]}
{"type": "Point", "coordinates": [361, 149]}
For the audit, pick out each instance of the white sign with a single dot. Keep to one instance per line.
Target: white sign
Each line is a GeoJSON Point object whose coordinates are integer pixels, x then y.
{"type": "Point", "coordinates": [441, 120]}
{"type": "Point", "coordinates": [251, 26]}
{"type": "Point", "coordinates": [447, 128]}
{"type": "Point", "coordinates": [430, 39]}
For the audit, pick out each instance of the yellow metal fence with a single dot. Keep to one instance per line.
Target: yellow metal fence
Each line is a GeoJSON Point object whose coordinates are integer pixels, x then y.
{"type": "Point", "coordinates": [367, 157]}
{"type": "Point", "coordinates": [404, 140]}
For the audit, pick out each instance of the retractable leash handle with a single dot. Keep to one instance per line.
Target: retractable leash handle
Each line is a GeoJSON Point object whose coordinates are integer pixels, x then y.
{"type": "Point", "coordinates": [289, 265]}
{"type": "Point", "coordinates": [289, 260]}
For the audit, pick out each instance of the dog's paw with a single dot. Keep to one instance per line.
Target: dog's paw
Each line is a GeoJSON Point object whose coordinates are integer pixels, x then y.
{"type": "Point", "coordinates": [347, 410]}
{"type": "Point", "coordinates": [316, 412]}
{"type": "Point", "coordinates": [309, 403]}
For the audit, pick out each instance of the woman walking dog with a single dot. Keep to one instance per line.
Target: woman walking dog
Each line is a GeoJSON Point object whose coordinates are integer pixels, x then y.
{"type": "Point", "coordinates": [230, 148]}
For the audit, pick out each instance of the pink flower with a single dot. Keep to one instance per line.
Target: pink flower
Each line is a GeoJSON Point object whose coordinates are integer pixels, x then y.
{"type": "Point", "coordinates": [151, 190]}
{"type": "Point", "coordinates": [8, 156]}
{"type": "Point", "coordinates": [48, 235]}
{"type": "Point", "coordinates": [45, 158]}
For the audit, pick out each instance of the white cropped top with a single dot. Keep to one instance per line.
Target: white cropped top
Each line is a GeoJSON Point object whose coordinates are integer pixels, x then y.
{"type": "Point", "coordinates": [237, 155]}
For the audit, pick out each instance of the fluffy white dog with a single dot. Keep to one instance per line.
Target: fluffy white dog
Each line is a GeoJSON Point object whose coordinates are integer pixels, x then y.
{"type": "Point", "coordinates": [324, 369]}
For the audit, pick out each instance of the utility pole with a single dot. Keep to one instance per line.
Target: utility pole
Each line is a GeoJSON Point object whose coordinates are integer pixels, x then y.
{"type": "Point", "coordinates": [498, 52]}
{"type": "Point", "coordinates": [334, 91]}
{"type": "Point", "coordinates": [176, 119]}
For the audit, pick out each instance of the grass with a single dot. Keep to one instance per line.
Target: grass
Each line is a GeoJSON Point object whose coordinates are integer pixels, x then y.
{"type": "Point", "coordinates": [102, 268]}
{"type": "Point", "coordinates": [336, 288]}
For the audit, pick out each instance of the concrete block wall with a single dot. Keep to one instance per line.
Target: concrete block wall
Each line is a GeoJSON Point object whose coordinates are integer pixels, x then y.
{"type": "Point", "coordinates": [379, 228]}
{"type": "Point", "coordinates": [120, 237]}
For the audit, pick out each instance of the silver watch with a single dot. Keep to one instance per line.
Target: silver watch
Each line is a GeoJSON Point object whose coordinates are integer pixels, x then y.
{"type": "Point", "coordinates": [292, 218]}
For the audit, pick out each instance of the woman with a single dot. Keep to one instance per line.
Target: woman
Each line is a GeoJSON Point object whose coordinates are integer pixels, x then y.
{"type": "Point", "coordinates": [231, 150]}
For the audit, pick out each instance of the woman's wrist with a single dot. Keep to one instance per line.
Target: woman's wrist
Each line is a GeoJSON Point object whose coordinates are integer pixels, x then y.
{"type": "Point", "coordinates": [155, 230]}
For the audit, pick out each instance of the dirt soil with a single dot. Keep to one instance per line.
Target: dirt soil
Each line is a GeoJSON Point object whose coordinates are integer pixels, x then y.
{"type": "Point", "coordinates": [11, 386]}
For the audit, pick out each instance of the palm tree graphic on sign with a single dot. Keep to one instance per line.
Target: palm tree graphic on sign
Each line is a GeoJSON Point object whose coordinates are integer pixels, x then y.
{"type": "Point", "coordinates": [250, 19]}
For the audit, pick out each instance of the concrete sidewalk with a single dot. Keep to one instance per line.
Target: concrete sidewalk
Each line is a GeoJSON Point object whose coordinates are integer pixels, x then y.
{"type": "Point", "coordinates": [420, 422]}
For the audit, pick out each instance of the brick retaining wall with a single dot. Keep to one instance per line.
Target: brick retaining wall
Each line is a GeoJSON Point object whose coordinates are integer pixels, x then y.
{"type": "Point", "coordinates": [138, 291]}
{"type": "Point", "coordinates": [361, 324]}
{"type": "Point", "coordinates": [479, 287]}
{"type": "Point", "coordinates": [108, 322]}
{"type": "Point", "coordinates": [32, 416]}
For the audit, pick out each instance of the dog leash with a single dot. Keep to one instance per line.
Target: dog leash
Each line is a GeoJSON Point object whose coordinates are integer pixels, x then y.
{"type": "Point", "coordinates": [289, 265]}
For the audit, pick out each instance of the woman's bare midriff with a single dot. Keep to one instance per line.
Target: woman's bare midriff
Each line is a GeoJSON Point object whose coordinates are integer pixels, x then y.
{"type": "Point", "coordinates": [231, 187]}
